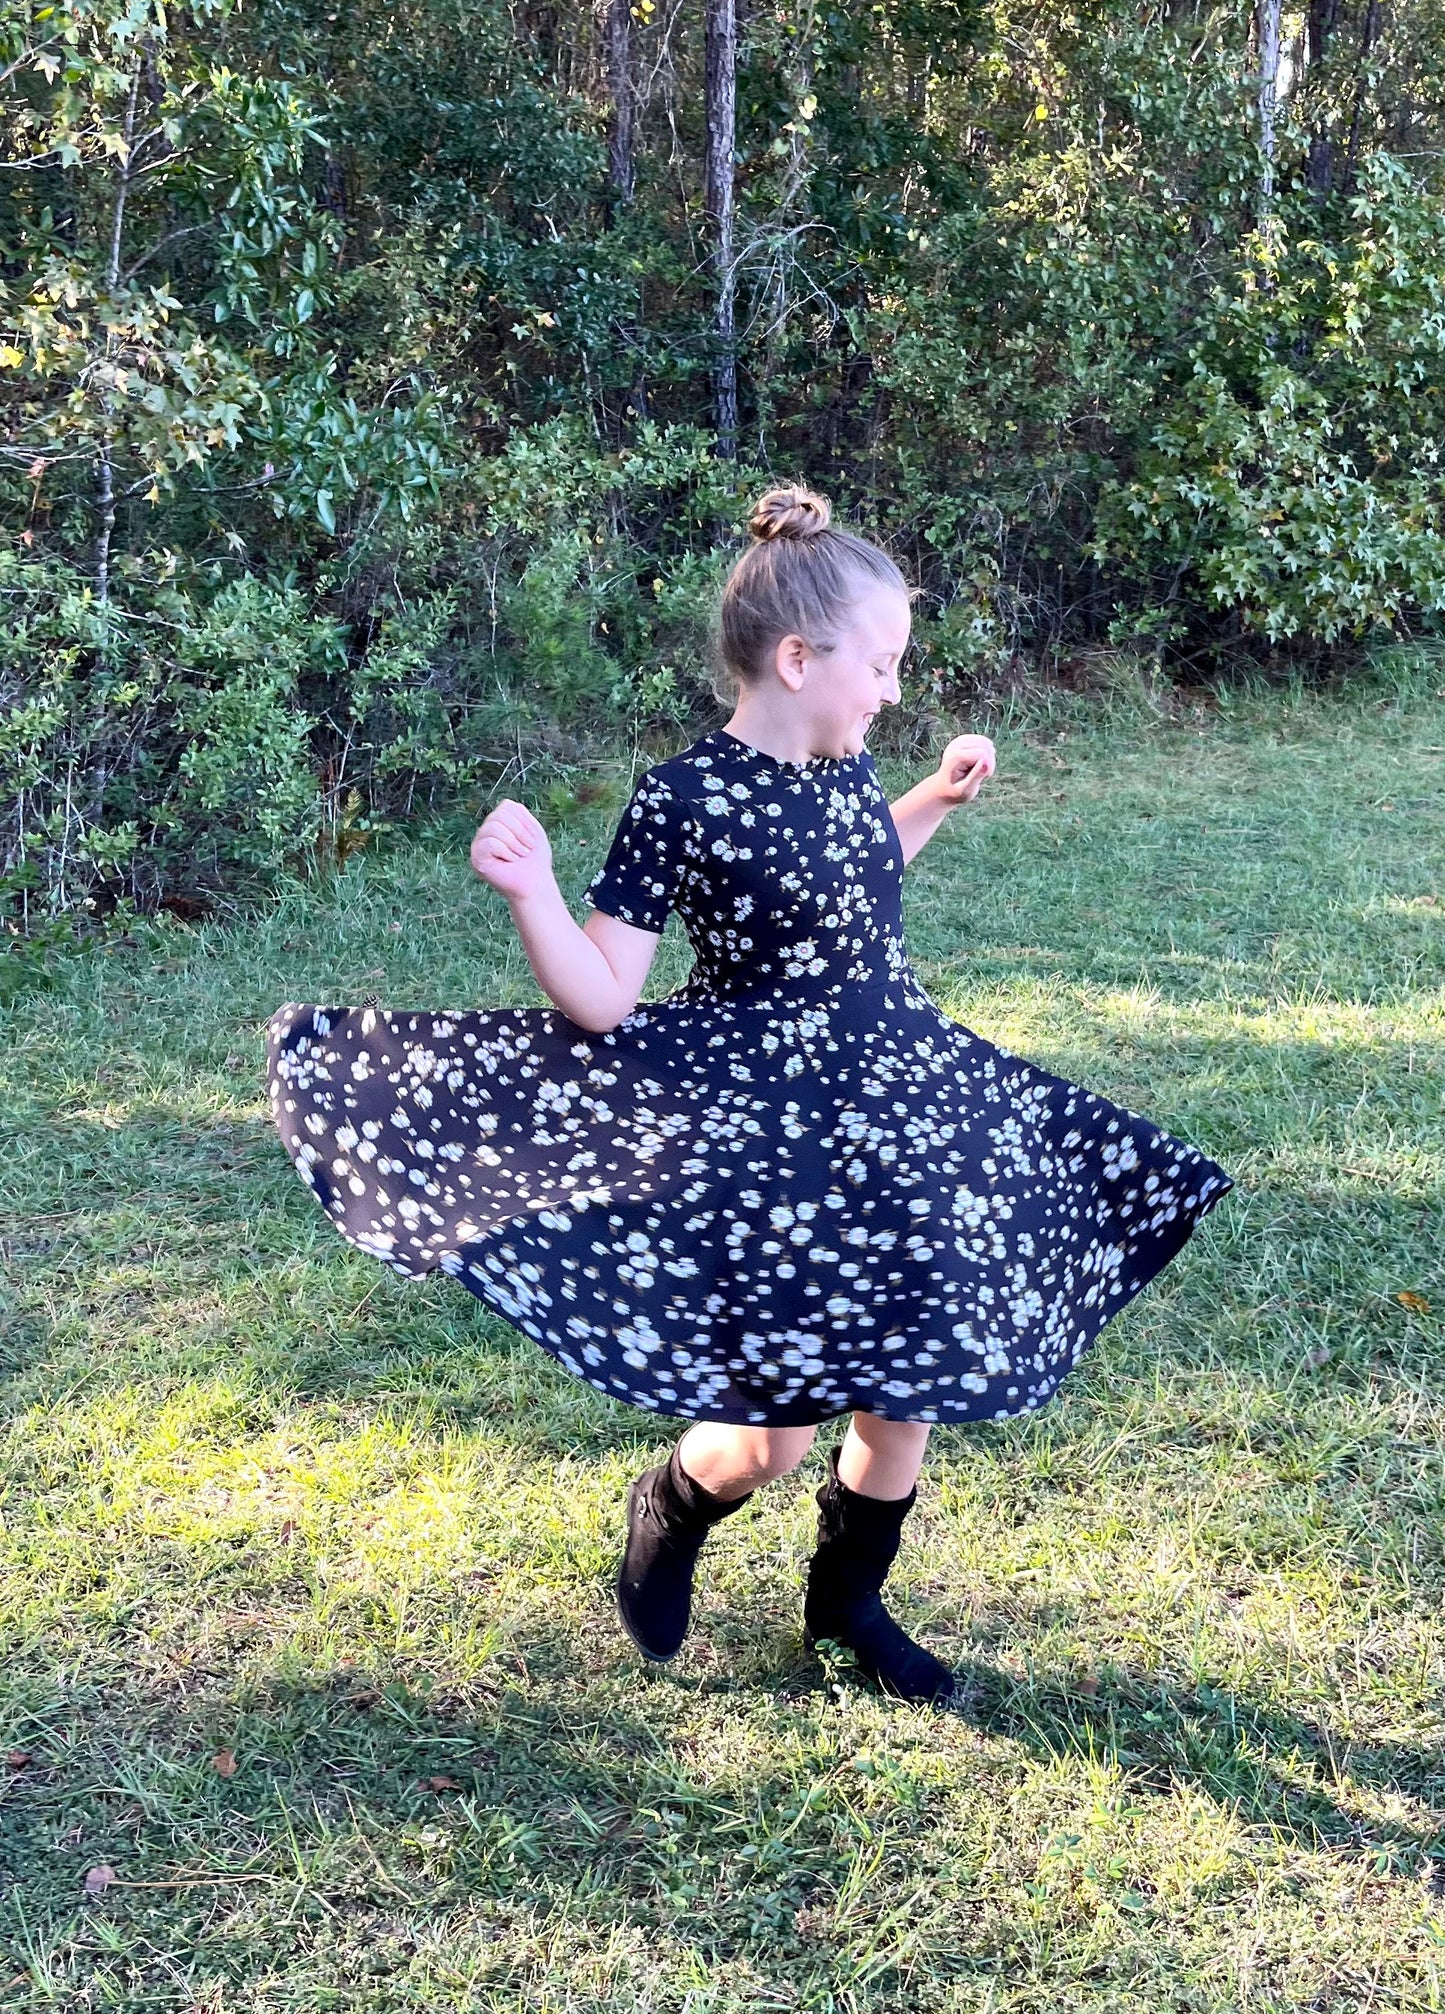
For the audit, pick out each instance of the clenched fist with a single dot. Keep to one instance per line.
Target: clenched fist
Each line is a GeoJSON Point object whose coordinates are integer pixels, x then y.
{"type": "Point", "coordinates": [968, 761]}
{"type": "Point", "coordinates": [511, 852]}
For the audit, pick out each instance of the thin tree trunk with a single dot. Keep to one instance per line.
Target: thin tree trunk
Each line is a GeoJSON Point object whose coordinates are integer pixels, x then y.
{"type": "Point", "coordinates": [1267, 31]}
{"type": "Point", "coordinates": [621, 162]}
{"type": "Point", "coordinates": [622, 84]}
{"type": "Point", "coordinates": [917, 88]}
{"type": "Point", "coordinates": [105, 479]}
{"type": "Point", "coordinates": [721, 40]}
{"type": "Point", "coordinates": [1368, 36]}
{"type": "Point", "coordinates": [1320, 161]}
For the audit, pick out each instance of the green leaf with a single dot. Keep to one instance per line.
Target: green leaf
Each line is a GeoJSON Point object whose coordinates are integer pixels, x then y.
{"type": "Point", "coordinates": [325, 509]}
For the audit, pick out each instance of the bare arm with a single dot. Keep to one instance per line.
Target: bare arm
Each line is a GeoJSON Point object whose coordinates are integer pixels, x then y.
{"type": "Point", "coordinates": [967, 761]}
{"type": "Point", "coordinates": [918, 815]}
{"type": "Point", "coordinates": [594, 974]}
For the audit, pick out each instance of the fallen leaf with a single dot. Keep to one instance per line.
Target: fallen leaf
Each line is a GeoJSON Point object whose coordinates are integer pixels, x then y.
{"type": "Point", "coordinates": [224, 1762]}
{"type": "Point", "coordinates": [1416, 1303]}
{"type": "Point", "coordinates": [1088, 1684]}
{"type": "Point", "coordinates": [18, 1758]}
{"type": "Point", "coordinates": [98, 1878]}
{"type": "Point", "coordinates": [440, 1783]}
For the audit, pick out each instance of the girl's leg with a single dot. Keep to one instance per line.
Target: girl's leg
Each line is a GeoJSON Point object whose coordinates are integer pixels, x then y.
{"type": "Point", "coordinates": [731, 1462]}
{"type": "Point", "coordinates": [881, 1458]}
{"type": "Point", "coordinates": [671, 1509]}
{"type": "Point", "coordinates": [862, 1506]}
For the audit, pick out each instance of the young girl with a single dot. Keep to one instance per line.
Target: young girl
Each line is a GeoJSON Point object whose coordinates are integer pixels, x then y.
{"type": "Point", "coordinates": [792, 1189]}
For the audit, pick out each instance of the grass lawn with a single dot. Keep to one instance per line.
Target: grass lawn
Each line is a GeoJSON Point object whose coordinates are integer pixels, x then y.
{"type": "Point", "coordinates": [313, 1696]}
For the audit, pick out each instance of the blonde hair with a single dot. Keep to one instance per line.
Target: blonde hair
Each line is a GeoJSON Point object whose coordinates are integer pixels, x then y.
{"type": "Point", "coordinates": [799, 577]}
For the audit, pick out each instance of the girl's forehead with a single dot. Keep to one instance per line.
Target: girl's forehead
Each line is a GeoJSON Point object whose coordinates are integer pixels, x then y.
{"type": "Point", "coordinates": [882, 618]}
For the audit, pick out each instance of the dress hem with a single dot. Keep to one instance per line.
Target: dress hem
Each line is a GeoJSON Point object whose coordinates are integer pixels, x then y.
{"type": "Point", "coordinates": [1168, 1242]}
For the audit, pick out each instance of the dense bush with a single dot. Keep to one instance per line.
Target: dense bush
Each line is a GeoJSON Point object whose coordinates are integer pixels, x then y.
{"type": "Point", "coordinates": [358, 425]}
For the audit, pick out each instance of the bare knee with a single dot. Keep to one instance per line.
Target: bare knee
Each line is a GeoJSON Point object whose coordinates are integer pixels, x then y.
{"type": "Point", "coordinates": [876, 1432]}
{"type": "Point", "coordinates": [729, 1460]}
{"type": "Point", "coordinates": [769, 1452]}
{"type": "Point", "coordinates": [786, 1447]}
{"type": "Point", "coordinates": [881, 1458]}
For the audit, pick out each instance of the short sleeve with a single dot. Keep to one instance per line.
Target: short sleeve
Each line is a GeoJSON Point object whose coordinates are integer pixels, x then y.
{"type": "Point", "coordinates": [640, 878]}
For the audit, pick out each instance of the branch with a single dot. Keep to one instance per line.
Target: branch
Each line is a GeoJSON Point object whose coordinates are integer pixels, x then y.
{"type": "Point", "coordinates": [35, 161]}
{"type": "Point", "coordinates": [185, 231]}
{"type": "Point", "coordinates": [26, 56]}
{"type": "Point", "coordinates": [122, 187]}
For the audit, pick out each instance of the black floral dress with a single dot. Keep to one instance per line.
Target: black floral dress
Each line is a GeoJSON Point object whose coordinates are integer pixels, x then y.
{"type": "Point", "coordinates": [791, 1188]}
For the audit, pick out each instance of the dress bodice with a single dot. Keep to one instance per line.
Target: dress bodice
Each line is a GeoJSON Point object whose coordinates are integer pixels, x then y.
{"type": "Point", "coordinates": [785, 874]}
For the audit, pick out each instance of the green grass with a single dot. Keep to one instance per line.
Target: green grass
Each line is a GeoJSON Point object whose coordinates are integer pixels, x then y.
{"type": "Point", "coordinates": [259, 1495]}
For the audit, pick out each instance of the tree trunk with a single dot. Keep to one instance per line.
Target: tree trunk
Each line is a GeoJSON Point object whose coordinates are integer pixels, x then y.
{"type": "Point", "coordinates": [1320, 160]}
{"type": "Point", "coordinates": [621, 162]}
{"type": "Point", "coordinates": [721, 40]}
{"type": "Point", "coordinates": [917, 85]}
{"type": "Point", "coordinates": [1267, 32]}
{"type": "Point", "coordinates": [1369, 33]}
{"type": "Point", "coordinates": [105, 474]}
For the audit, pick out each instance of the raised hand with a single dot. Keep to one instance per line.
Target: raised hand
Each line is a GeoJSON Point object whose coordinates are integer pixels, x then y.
{"type": "Point", "coordinates": [511, 851]}
{"type": "Point", "coordinates": [968, 761]}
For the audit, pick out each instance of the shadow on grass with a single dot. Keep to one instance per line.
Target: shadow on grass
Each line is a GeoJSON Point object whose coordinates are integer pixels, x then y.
{"type": "Point", "coordinates": [353, 1797]}
{"type": "Point", "coordinates": [1267, 1766]}
{"type": "Point", "coordinates": [370, 1817]}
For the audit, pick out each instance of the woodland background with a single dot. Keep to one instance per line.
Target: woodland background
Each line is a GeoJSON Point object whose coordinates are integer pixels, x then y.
{"type": "Point", "coordinates": [382, 388]}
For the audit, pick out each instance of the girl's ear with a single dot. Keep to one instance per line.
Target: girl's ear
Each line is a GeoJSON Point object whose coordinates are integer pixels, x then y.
{"type": "Point", "coordinates": [791, 657]}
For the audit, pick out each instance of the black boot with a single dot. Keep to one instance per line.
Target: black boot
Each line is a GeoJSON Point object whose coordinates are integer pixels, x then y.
{"type": "Point", "coordinates": [858, 1539]}
{"type": "Point", "coordinates": [668, 1517]}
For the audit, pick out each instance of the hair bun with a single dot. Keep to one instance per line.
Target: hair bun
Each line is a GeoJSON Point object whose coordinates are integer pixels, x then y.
{"type": "Point", "coordinates": [789, 513]}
